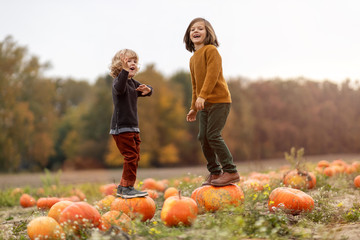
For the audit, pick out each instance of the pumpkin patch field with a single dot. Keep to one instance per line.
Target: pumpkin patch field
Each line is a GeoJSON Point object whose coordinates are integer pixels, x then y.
{"type": "Point", "coordinates": [312, 200]}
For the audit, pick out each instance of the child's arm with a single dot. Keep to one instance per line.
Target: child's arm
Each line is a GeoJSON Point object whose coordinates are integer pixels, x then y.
{"type": "Point", "coordinates": [213, 70]}
{"type": "Point", "coordinates": [120, 82]}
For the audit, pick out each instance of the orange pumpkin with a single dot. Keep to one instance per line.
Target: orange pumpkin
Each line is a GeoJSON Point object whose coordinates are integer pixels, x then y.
{"type": "Point", "coordinates": [71, 199]}
{"type": "Point", "coordinates": [171, 191]}
{"type": "Point", "coordinates": [27, 201]}
{"type": "Point", "coordinates": [115, 218]}
{"type": "Point", "coordinates": [143, 207]}
{"type": "Point", "coordinates": [46, 203]}
{"type": "Point", "coordinates": [57, 208]}
{"type": "Point", "coordinates": [17, 191]}
{"type": "Point", "coordinates": [299, 179]}
{"type": "Point", "coordinates": [329, 171]}
{"type": "Point", "coordinates": [79, 215]}
{"type": "Point", "coordinates": [152, 193]}
{"type": "Point", "coordinates": [79, 193]}
{"type": "Point", "coordinates": [105, 203]}
{"type": "Point", "coordinates": [290, 200]}
{"type": "Point", "coordinates": [150, 183]}
{"type": "Point", "coordinates": [108, 189]}
{"type": "Point", "coordinates": [323, 164]}
{"type": "Point", "coordinates": [357, 181]}
{"type": "Point", "coordinates": [44, 228]}
{"type": "Point", "coordinates": [179, 210]}
{"type": "Point", "coordinates": [253, 184]}
{"type": "Point", "coordinates": [211, 198]}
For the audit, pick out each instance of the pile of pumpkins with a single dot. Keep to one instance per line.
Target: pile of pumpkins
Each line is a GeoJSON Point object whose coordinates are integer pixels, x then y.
{"type": "Point", "coordinates": [66, 215]}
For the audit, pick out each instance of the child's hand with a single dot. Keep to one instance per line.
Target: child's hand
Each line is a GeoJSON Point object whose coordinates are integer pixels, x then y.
{"type": "Point", "coordinates": [144, 89]}
{"type": "Point", "coordinates": [124, 61]}
{"type": "Point", "coordinates": [191, 116]}
{"type": "Point", "coordinates": [199, 104]}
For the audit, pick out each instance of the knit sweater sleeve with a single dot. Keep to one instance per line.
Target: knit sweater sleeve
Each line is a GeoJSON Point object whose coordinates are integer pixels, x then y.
{"type": "Point", "coordinates": [213, 70]}
{"type": "Point", "coordinates": [119, 83]}
{"type": "Point", "coordinates": [193, 83]}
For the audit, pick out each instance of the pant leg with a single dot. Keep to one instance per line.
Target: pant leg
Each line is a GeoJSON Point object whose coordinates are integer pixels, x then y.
{"type": "Point", "coordinates": [217, 117]}
{"type": "Point", "coordinates": [213, 165]}
{"type": "Point", "coordinates": [129, 146]}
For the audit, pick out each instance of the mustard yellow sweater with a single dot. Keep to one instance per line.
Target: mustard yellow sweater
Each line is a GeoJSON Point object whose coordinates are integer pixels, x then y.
{"type": "Point", "coordinates": [207, 77]}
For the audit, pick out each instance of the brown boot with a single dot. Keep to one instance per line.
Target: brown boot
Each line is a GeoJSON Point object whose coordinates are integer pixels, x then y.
{"type": "Point", "coordinates": [226, 179]}
{"type": "Point", "coordinates": [209, 178]}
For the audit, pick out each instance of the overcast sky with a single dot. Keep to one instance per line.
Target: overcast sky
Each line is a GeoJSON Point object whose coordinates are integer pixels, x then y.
{"type": "Point", "coordinates": [316, 39]}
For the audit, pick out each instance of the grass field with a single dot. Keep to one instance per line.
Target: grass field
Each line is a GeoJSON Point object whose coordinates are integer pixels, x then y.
{"type": "Point", "coordinates": [336, 212]}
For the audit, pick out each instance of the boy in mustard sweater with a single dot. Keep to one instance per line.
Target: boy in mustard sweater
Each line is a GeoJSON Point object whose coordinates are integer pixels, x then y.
{"type": "Point", "coordinates": [211, 98]}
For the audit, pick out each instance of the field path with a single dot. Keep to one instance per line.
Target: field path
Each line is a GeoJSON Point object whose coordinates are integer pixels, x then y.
{"type": "Point", "coordinates": [114, 175]}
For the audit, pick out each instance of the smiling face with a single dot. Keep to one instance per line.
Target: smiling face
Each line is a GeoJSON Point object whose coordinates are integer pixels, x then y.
{"type": "Point", "coordinates": [133, 66]}
{"type": "Point", "coordinates": [198, 34]}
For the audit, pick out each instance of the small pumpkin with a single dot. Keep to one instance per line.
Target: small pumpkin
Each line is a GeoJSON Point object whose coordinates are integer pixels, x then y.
{"type": "Point", "coordinates": [57, 208]}
{"type": "Point", "coordinates": [46, 203]}
{"type": "Point", "coordinates": [143, 207]}
{"type": "Point", "coordinates": [108, 189]}
{"type": "Point", "coordinates": [179, 210]}
{"type": "Point", "coordinates": [152, 193]}
{"type": "Point", "coordinates": [323, 164]}
{"type": "Point", "coordinates": [299, 179]}
{"type": "Point", "coordinates": [291, 200]}
{"type": "Point", "coordinates": [44, 228]}
{"type": "Point", "coordinates": [171, 191]}
{"type": "Point", "coordinates": [116, 218]}
{"type": "Point", "coordinates": [253, 184]}
{"type": "Point", "coordinates": [150, 183]}
{"type": "Point", "coordinates": [27, 201]}
{"type": "Point", "coordinates": [105, 203]}
{"type": "Point", "coordinates": [357, 181]}
{"type": "Point", "coordinates": [211, 198]}
{"type": "Point", "coordinates": [79, 193]}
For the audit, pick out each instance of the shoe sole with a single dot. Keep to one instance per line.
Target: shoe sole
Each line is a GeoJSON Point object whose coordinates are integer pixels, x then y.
{"type": "Point", "coordinates": [225, 184]}
{"type": "Point", "coordinates": [131, 196]}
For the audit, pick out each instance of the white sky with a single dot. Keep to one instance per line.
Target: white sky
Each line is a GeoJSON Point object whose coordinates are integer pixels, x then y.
{"type": "Point", "coordinates": [316, 39]}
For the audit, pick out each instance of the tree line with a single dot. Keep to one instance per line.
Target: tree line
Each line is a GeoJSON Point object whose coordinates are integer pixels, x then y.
{"type": "Point", "coordinates": [64, 123]}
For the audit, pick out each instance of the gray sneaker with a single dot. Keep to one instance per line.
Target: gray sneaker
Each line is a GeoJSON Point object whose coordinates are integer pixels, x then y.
{"type": "Point", "coordinates": [129, 192]}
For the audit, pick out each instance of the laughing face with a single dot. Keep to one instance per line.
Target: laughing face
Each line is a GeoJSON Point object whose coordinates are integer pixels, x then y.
{"type": "Point", "coordinates": [198, 34]}
{"type": "Point", "coordinates": [133, 66]}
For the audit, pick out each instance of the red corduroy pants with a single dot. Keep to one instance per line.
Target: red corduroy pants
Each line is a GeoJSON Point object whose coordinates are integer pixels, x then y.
{"type": "Point", "coordinates": [129, 146]}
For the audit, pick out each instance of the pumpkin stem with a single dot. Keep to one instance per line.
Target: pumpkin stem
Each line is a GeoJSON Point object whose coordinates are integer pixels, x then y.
{"type": "Point", "coordinates": [179, 194]}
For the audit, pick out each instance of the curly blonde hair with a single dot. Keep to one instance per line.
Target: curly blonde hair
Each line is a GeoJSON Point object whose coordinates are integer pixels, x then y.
{"type": "Point", "coordinates": [116, 63]}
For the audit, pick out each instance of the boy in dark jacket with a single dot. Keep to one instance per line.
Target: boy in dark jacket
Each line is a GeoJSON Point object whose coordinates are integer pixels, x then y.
{"type": "Point", "coordinates": [124, 123]}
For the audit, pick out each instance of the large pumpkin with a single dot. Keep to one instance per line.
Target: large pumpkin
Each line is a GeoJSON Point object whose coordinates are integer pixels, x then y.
{"type": "Point", "coordinates": [57, 208]}
{"type": "Point", "coordinates": [290, 200]}
{"type": "Point", "coordinates": [116, 218]}
{"type": "Point", "coordinates": [179, 210]}
{"type": "Point", "coordinates": [79, 215]}
{"type": "Point", "coordinates": [44, 228]}
{"type": "Point", "coordinates": [211, 198]}
{"type": "Point", "coordinates": [299, 179]}
{"type": "Point", "coordinates": [143, 207]}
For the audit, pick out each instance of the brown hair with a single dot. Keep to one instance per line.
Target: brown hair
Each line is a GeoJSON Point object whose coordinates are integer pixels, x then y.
{"type": "Point", "coordinates": [116, 63]}
{"type": "Point", "coordinates": [209, 39]}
